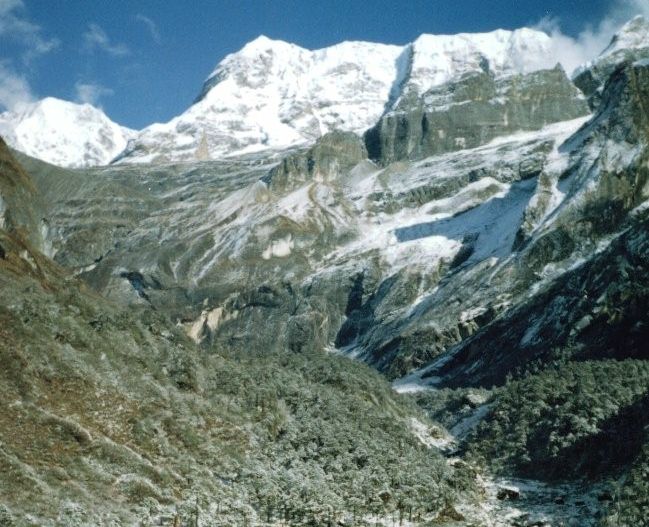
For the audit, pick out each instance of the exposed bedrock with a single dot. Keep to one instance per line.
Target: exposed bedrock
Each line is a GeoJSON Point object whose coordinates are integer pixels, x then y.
{"type": "Point", "coordinates": [472, 111]}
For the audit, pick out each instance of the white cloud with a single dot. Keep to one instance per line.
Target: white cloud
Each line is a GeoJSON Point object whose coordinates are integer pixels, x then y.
{"type": "Point", "coordinates": [14, 88]}
{"type": "Point", "coordinates": [15, 26]}
{"type": "Point", "coordinates": [96, 38]}
{"type": "Point", "coordinates": [9, 5]}
{"type": "Point", "coordinates": [151, 26]}
{"type": "Point", "coordinates": [91, 93]}
{"type": "Point", "coordinates": [573, 52]}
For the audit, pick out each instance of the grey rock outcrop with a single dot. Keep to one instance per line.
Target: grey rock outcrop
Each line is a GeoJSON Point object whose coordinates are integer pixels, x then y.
{"type": "Point", "coordinates": [631, 44]}
{"type": "Point", "coordinates": [471, 112]}
{"type": "Point", "coordinates": [332, 156]}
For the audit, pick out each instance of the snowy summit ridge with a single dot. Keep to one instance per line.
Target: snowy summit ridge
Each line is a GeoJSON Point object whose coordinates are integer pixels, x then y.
{"type": "Point", "coordinates": [273, 95]}
{"type": "Point", "coordinates": [630, 43]}
{"type": "Point", "coordinates": [633, 35]}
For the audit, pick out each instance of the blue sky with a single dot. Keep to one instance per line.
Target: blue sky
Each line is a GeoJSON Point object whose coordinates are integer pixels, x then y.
{"type": "Point", "coordinates": [144, 61]}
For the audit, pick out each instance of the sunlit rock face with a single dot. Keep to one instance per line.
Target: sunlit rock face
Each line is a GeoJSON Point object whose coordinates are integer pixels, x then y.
{"type": "Point", "coordinates": [472, 111]}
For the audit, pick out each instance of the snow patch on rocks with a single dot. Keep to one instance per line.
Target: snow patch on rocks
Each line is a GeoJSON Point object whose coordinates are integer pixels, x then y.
{"type": "Point", "coordinates": [279, 248]}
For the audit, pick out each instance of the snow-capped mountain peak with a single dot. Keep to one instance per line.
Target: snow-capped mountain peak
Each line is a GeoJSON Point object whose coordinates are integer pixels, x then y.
{"type": "Point", "coordinates": [273, 95]}
{"type": "Point", "coordinates": [64, 133]}
{"type": "Point", "coordinates": [440, 58]}
{"type": "Point", "coordinates": [263, 43]}
{"type": "Point", "coordinates": [631, 42]}
{"type": "Point", "coordinates": [633, 35]}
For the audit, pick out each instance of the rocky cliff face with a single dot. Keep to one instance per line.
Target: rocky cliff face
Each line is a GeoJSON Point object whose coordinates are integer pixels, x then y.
{"type": "Point", "coordinates": [472, 111]}
{"type": "Point", "coordinates": [603, 222]}
{"type": "Point", "coordinates": [630, 44]}
{"type": "Point", "coordinates": [602, 183]}
{"type": "Point", "coordinates": [329, 160]}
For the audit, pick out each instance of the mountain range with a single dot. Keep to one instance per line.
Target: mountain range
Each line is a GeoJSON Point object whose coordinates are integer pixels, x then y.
{"type": "Point", "coordinates": [358, 285]}
{"type": "Point", "coordinates": [272, 95]}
